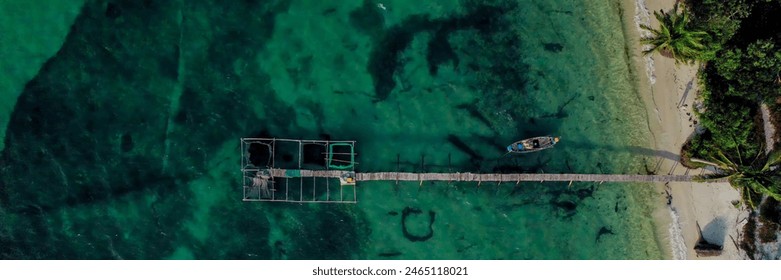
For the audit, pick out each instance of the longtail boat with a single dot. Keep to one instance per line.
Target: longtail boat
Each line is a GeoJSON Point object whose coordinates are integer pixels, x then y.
{"type": "Point", "coordinates": [532, 144]}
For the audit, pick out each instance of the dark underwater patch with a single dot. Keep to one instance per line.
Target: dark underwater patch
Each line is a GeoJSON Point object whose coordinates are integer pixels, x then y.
{"type": "Point", "coordinates": [483, 18]}
{"type": "Point", "coordinates": [560, 112]}
{"type": "Point", "coordinates": [389, 254]}
{"type": "Point", "coordinates": [313, 154]}
{"type": "Point", "coordinates": [384, 59]}
{"type": "Point", "coordinates": [416, 238]}
{"type": "Point", "coordinates": [439, 50]}
{"type": "Point", "coordinates": [367, 19]}
{"type": "Point", "coordinates": [553, 47]}
{"type": "Point", "coordinates": [168, 66]}
{"type": "Point", "coordinates": [335, 233]}
{"type": "Point", "coordinates": [329, 11]}
{"type": "Point", "coordinates": [126, 142]}
{"type": "Point", "coordinates": [463, 147]}
{"type": "Point", "coordinates": [603, 231]}
{"type": "Point", "coordinates": [235, 236]}
{"type": "Point", "coordinates": [113, 11]}
{"type": "Point", "coordinates": [584, 193]}
{"type": "Point", "coordinates": [566, 208]}
{"type": "Point", "coordinates": [474, 112]}
{"type": "Point", "coordinates": [299, 71]}
{"type": "Point", "coordinates": [65, 127]}
{"type": "Point", "coordinates": [87, 135]}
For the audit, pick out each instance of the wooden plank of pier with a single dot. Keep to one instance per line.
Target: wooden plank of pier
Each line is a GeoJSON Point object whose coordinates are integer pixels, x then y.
{"type": "Point", "coordinates": [485, 177]}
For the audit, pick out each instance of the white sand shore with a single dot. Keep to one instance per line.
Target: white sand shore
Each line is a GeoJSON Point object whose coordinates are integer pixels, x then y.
{"type": "Point", "coordinates": [669, 101]}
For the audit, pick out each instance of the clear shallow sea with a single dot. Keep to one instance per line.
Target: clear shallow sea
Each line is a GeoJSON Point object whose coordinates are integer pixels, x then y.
{"type": "Point", "coordinates": [125, 144]}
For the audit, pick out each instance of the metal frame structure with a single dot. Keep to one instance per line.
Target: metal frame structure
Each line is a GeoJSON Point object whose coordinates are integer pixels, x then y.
{"type": "Point", "coordinates": [260, 184]}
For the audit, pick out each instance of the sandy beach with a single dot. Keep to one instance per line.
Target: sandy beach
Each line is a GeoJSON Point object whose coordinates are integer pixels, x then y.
{"type": "Point", "coordinates": [670, 93]}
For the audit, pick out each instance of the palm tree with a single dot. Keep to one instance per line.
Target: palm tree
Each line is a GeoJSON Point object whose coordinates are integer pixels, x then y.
{"type": "Point", "coordinates": [761, 177]}
{"type": "Point", "coordinates": [673, 39]}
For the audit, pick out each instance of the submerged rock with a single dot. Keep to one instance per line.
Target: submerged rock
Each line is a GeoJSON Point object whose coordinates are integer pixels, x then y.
{"type": "Point", "coordinates": [414, 238]}
{"type": "Point", "coordinates": [553, 47]}
{"type": "Point", "coordinates": [389, 254]}
{"type": "Point", "coordinates": [602, 231]}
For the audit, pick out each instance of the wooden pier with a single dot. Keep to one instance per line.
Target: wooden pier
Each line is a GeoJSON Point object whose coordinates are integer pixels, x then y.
{"type": "Point", "coordinates": [482, 177]}
{"type": "Point", "coordinates": [313, 171]}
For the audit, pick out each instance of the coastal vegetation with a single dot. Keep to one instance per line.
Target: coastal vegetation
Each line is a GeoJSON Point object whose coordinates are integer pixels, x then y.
{"type": "Point", "coordinates": [676, 38]}
{"type": "Point", "coordinates": [753, 180]}
{"type": "Point", "coordinates": [740, 70]}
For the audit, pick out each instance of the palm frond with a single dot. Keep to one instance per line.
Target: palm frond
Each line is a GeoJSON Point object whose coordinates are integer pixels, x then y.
{"type": "Point", "coordinates": [759, 154]}
{"type": "Point", "coordinates": [673, 36]}
{"type": "Point", "coordinates": [726, 161]}
{"type": "Point", "coordinates": [714, 177]}
{"type": "Point", "coordinates": [746, 193]}
{"type": "Point", "coordinates": [767, 184]}
{"type": "Point", "coordinates": [651, 50]}
{"type": "Point", "coordinates": [650, 29]}
{"type": "Point", "coordinates": [661, 16]}
{"type": "Point", "coordinates": [774, 158]}
{"type": "Point", "coordinates": [774, 188]}
{"type": "Point", "coordinates": [756, 187]}
{"type": "Point", "coordinates": [747, 198]}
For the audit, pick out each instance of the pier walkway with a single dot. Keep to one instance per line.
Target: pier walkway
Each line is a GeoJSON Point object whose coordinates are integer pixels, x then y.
{"type": "Point", "coordinates": [481, 177]}
{"type": "Point", "coordinates": [323, 171]}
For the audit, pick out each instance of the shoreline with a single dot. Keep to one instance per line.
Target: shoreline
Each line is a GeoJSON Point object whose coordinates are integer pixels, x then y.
{"type": "Point", "coordinates": [669, 93]}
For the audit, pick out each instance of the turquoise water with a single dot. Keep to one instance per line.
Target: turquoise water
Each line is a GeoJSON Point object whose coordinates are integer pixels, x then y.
{"type": "Point", "coordinates": [32, 31]}
{"type": "Point", "coordinates": [125, 143]}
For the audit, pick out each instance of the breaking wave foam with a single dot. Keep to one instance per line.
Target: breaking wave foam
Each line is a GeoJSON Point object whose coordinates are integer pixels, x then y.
{"type": "Point", "coordinates": [676, 236]}
{"type": "Point", "coordinates": [643, 17]}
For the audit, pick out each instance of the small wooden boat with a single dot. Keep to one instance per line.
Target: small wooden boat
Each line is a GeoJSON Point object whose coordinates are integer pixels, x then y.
{"type": "Point", "coordinates": [532, 144]}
